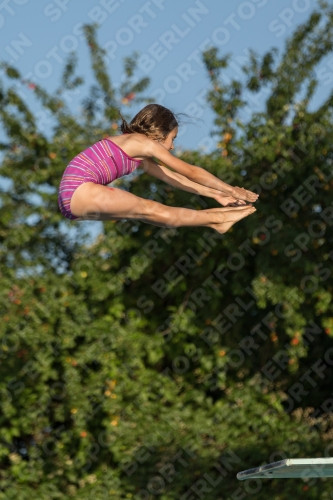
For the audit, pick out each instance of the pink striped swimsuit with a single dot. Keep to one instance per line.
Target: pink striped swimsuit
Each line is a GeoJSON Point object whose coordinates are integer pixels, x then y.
{"type": "Point", "coordinates": [101, 163]}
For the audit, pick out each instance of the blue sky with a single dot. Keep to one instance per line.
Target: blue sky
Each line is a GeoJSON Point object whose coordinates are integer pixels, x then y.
{"type": "Point", "coordinates": [170, 36]}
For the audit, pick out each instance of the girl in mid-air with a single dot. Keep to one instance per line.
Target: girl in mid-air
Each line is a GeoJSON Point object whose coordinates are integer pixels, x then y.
{"type": "Point", "coordinates": [83, 194]}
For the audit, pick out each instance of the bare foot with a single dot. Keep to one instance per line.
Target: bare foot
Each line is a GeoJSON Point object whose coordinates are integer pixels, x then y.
{"type": "Point", "coordinates": [229, 201]}
{"type": "Point", "coordinates": [244, 194]}
{"type": "Point", "coordinates": [231, 217]}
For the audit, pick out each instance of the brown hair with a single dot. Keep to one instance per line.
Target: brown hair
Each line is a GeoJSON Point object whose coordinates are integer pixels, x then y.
{"type": "Point", "coordinates": [153, 120]}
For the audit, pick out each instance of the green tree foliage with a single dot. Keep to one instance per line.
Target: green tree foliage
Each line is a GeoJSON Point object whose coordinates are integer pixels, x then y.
{"type": "Point", "coordinates": [157, 363]}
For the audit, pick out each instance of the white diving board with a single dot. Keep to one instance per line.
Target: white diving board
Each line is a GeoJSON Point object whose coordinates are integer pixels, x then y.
{"type": "Point", "coordinates": [291, 468]}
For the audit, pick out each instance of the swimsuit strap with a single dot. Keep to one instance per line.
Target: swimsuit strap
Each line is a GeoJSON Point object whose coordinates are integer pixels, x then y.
{"type": "Point", "coordinates": [124, 153]}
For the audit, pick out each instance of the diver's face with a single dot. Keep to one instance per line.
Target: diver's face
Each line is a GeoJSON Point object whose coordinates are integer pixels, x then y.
{"type": "Point", "coordinates": [168, 141]}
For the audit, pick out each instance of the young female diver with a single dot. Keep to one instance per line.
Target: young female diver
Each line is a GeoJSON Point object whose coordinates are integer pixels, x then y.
{"type": "Point", "coordinates": [83, 194]}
